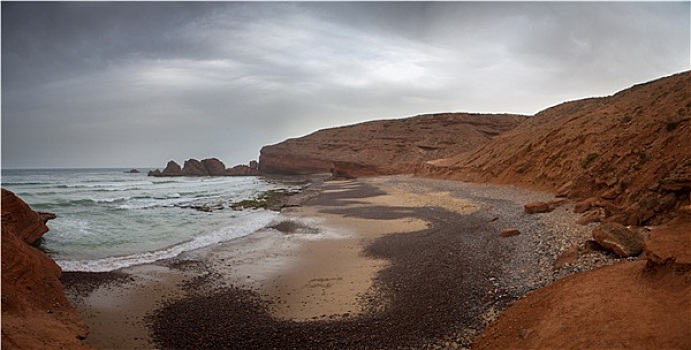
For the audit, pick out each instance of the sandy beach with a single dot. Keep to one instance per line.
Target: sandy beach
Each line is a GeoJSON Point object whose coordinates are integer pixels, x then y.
{"type": "Point", "coordinates": [384, 262]}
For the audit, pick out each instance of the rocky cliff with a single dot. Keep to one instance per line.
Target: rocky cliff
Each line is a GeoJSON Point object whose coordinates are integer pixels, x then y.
{"type": "Point", "coordinates": [628, 154]}
{"type": "Point", "coordinates": [35, 311]}
{"type": "Point", "coordinates": [384, 147]}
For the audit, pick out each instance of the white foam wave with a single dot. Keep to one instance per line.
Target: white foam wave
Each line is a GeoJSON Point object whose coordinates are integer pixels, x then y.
{"type": "Point", "coordinates": [241, 227]}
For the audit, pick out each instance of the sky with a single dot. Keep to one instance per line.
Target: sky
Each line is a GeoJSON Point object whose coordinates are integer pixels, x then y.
{"type": "Point", "coordinates": [134, 84]}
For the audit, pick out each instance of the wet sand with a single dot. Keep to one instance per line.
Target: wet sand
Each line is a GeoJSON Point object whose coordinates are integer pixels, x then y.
{"type": "Point", "coordinates": [390, 262]}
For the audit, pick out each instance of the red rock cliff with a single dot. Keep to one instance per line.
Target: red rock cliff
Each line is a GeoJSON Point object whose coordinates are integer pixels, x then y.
{"type": "Point", "coordinates": [384, 147]}
{"type": "Point", "coordinates": [35, 311]}
{"type": "Point", "coordinates": [631, 151]}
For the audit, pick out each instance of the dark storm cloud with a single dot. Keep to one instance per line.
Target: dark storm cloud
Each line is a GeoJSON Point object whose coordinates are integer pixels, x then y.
{"type": "Point", "coordinates": [125, 84]}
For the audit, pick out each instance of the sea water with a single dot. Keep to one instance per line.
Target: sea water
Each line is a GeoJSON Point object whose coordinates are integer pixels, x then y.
{"type": "Point", "coordinates": [108, 219]}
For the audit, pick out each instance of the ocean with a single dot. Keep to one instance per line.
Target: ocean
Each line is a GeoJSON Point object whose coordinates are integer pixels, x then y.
{"type": "Point", "coordinates": [109, 219]}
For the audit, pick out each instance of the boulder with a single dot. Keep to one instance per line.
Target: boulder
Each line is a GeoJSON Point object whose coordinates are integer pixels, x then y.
{"type": "Point", "coordinates": [154, 172]}
{"type": "Point", "coordinates": [254, 164]}
{"type": "Point", "coordinates": [133, 171]}
{"type": "Point", "coordinates": [590, 217]}
{"type": "Point", "coordinates": [592, 246]}
{"type": "Point", "coordinates": [619, 239]}
{"type": "Point", "coordinates": [214, 167]}
{"type": "Point", "coordinates": [566, 257]}
{"type": "Point", "coordinates": [557, 202]}
{"type": "Point", "coordinates": [194, 167]}
{"type": "Point", "coordinates": [585, 205]}
{"type": "Point", "coordinates": [172, 169]}
{"type": "Point", "coordinates": [537, 207]}
{"type": "Point", "coordinates": [510, 232]}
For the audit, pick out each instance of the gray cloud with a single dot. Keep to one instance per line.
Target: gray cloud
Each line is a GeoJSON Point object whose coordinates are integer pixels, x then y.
{"type": "Point", "coordinates": [137, 84]}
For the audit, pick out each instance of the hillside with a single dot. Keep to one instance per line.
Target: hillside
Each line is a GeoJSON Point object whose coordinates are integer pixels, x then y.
{"type": "Point", "coordinates": [384, 147]}
{"type": "Point", "coordinates": [630, 151]}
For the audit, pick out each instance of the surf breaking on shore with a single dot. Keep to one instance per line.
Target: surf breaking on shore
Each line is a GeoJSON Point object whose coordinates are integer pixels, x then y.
{"type": "Point", "coordinates": [380, 262]}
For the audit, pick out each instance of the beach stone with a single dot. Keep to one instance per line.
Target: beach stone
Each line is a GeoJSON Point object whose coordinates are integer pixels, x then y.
{"type": "Point", "coordinates": [510, 232]}
{"type": "Point", "coordinates": [537, 207]}
{"type": "Point", "coordinates": [566, 257]}
{"type": "Point", "coordinates": [590, 217]}
{"type": "Point", "coordinates": [584, 205]}
{"type": "Point", "coordinates": [557, 202]}
{"type": "Point", "coordinates": [619, 239]}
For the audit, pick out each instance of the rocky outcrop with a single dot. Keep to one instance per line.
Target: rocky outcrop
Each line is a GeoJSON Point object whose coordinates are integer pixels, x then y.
{"type": "Point", "coordinates": [193, 167]}
{"type": "Point", "coordinates": [172, 169]}
{"type": "Point", "coordinates": [631, 305]}
{"type": "Point", "coordinates": [206, 167]}
{"type": "Point", "coordinates": [214, 167]}
{"type": "Point", "coordinates": [384, 147]}
{"type": "Point", "coordinates": [631, 151]}
{"type": "Point", "coordinates": [671, 245]}
{"type": "Point", "coordinates": [242, 170]}
{"type": "Point", "coordinates": [35, 312]}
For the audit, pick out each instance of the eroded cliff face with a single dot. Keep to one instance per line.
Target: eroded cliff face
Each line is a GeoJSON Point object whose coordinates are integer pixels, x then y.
{"type": "Point", "coordinates": [384, 147]}
{"type": "Point", "coordinates": [629, 153]}
{"type": "Point", "coordinates": [35, 311]}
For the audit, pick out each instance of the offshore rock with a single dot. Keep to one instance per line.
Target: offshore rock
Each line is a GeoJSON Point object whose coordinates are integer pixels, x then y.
{"type": "Point", "coordinates": [214, 167]}
{"type": "Point", "coordinates": [193, 167]}
{"type": "Point", "coordinates": [35, 312]}
{"type": "Point", "coordinates": [172, 169]}
{"type": "Point", "coordinates": [242, 170]}
{"type": "Point", "coordinates": [206, 167]}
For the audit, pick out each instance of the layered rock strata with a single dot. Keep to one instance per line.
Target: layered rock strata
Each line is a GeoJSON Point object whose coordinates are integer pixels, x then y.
{"type": "Point", "coordinates": [630, 151]}
{"type": "Point", "coordinates": [384, 147]}
{"type": "Point", "coordinates": [35, 312]}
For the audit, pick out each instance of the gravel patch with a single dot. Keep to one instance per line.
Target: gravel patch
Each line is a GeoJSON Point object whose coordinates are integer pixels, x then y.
{"type": "Point", "coordinates": [443, 286]}
{"type": "Point", "coordinates": [84, 283]}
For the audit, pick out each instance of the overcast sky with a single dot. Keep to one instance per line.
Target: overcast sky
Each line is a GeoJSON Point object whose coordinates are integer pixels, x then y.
{"type": "Point", "coordinates": [137, 84]}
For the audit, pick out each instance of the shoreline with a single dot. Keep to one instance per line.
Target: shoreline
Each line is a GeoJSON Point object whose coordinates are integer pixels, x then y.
{"type": "Point", "coordinates": [369, 262]}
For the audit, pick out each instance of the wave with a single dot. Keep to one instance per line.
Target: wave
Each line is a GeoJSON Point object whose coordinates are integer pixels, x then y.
{"type": "Point", "coordinates": [9, 184]}
{"type": "Point", "coordinates": [114, 186]}
{"type": "Point", "coordinates": [240, 228]}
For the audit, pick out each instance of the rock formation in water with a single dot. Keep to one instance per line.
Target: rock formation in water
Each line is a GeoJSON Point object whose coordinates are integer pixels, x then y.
{"type": "Point", "coordinates": [35, 312]}
{"type": "Point", "coordinates": [206, 167]}
{"type": "Point", "coordinates": [384, 147]}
